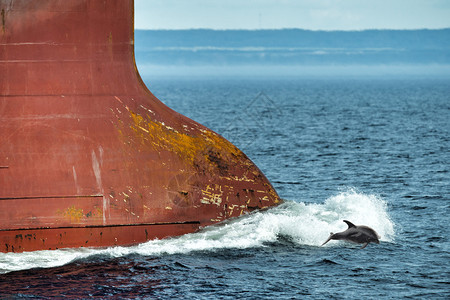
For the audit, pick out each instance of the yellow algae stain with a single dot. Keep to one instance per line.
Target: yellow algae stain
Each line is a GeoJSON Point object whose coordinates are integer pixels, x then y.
{"type": "Point", "coordinates": [74, 214]}
{"type": "Point", "coordinates": [189, 147]}
{"type": "Point", "coordinates": [98, 212]}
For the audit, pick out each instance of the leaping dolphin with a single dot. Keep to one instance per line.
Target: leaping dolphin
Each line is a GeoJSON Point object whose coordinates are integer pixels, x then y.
{"type": "Point", "coordinates": [356, 234]}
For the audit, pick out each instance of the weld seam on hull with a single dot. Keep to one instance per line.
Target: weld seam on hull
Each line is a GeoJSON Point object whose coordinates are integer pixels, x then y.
{"type": "Point", "coordinates": [50, 197]}
{"type": "Point", "coordinates": [65, 95]}
{"type": "Point", "coordinates": [104, 226]}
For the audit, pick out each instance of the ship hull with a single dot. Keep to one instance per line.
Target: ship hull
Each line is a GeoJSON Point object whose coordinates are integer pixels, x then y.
{"type": "Point", "coordinates": [88, 155]}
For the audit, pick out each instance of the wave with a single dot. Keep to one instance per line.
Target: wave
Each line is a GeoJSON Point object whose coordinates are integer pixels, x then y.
{"type": "Point", "coordinates": [302, 223]}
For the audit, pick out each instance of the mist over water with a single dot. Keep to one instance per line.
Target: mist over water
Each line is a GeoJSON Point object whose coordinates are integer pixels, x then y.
{"type": "Point", "coordinates": [208, 72]}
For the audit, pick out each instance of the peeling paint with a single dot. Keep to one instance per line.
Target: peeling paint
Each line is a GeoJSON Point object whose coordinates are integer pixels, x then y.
{"type": "Point", "coordinates": [147, 109]}
{"type": "Point", "coordinates": [242, 178]}
{"type": "Point", "coordinates": [212, 195]}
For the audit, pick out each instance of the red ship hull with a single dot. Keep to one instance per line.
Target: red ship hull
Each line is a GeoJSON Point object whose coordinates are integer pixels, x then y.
{"type": "Point", "coordinates": [88, 156]}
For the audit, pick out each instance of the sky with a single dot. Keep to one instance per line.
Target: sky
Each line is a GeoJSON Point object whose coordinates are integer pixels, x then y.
{"type": "Point", "coordinates": [303, 14]}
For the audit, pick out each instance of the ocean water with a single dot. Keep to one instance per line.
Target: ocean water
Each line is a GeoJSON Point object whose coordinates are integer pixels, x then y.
{"type": "Point", "coordinates": [372, 150]}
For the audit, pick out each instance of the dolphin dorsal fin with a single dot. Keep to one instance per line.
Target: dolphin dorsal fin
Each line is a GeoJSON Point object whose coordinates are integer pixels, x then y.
{"type": "Point", "coordinates": [350, 224]}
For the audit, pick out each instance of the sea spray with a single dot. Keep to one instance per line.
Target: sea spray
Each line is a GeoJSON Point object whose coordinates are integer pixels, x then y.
{"type": "Point", "coordinates": [302, 223]}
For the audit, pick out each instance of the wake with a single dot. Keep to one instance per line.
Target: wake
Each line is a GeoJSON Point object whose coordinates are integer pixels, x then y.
{"type": "Point", "coordinates": [302, 223]}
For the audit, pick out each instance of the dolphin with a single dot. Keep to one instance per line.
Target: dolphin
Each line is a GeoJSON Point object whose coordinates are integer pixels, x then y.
{"type": "Point", "coordinates": [357, 234]}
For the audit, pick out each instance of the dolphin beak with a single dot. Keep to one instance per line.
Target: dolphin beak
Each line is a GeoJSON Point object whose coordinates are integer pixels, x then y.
{"type": "Point", "coordinates": [327, 240]}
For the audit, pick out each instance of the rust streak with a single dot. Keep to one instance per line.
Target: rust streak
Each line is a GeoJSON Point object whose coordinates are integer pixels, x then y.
{"type": "Point", "coordinates": [3, 21]}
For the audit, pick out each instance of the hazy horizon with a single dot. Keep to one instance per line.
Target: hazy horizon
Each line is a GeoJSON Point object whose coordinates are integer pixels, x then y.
{"type": "Point", "coordinates": [300, 29]}
{"type": "Point", "coordinates": [325, 15]}
{"type": "Point", "coordinates": [293, 52]}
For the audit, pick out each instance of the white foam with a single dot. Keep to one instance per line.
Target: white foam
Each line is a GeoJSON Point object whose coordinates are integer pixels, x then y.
{"type": "Point", "coordinates": [303, 223]}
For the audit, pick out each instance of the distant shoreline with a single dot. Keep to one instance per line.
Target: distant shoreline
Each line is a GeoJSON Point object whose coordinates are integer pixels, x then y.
{"type": "Point", "coordinates": [292, 47]}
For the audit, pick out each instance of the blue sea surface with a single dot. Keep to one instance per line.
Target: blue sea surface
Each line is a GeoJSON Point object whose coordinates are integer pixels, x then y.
{"type": "Point", "coordinates": [372, 150]}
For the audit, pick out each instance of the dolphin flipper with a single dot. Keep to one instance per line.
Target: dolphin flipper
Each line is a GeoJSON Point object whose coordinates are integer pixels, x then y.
{"type": "Point", "coordinates": [364, 246]}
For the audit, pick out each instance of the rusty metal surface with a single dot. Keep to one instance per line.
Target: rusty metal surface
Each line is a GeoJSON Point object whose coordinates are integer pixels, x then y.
{"type": "Point", "coordinates": [88, 156]}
